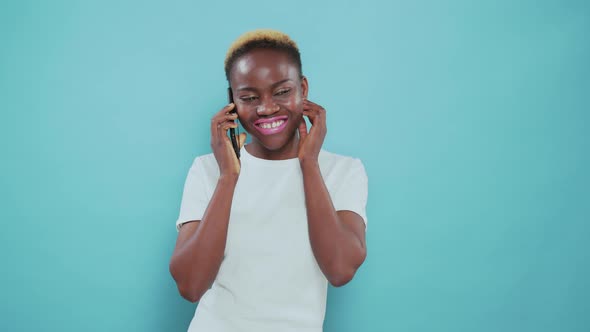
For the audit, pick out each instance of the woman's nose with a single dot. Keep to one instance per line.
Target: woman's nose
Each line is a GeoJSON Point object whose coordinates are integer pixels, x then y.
{"type": "Point", "coordinates": [267, 107]}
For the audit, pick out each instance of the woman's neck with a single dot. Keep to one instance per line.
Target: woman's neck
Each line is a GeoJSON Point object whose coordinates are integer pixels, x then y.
{"type": "Point", "coordinates": [288, 151]}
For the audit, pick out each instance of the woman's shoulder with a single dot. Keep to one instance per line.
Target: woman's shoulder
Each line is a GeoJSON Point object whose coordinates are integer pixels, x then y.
{"type": "Point", "coordinates": [204, 158]}
{"type": "Point", "coordinates": [328, 156]}
{"type": "Point", "coordinates": [330, 161]}
{"type": "Point", "coordinates": [205, 163]}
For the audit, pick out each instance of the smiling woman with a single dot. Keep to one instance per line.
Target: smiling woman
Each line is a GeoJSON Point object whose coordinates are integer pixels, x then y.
{"type": "Point", "coordinates": [260, 237]}
{"type": "Point", "coordinates": [269, 92]}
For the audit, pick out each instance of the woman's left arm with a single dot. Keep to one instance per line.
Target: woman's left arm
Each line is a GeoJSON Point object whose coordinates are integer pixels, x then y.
{"type": "Point", "coordinates": [337, 237]}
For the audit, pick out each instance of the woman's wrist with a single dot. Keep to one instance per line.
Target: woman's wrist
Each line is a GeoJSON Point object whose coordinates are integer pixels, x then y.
{"type": "Point", "coordinates": [228, 179]}
{"type": "Point", "coordinates": [309, 164]}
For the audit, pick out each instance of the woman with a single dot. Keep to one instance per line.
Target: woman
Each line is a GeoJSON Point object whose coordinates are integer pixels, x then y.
{"type": "Point", "coordinates": [261, 236]}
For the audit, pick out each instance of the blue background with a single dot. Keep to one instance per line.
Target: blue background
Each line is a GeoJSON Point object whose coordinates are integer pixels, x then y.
{"type": "Point", "coordinates": [471, 119]}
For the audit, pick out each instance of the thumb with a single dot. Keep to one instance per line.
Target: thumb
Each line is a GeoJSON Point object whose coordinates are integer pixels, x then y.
{"type": "Point", "coordinates": [242, 139]}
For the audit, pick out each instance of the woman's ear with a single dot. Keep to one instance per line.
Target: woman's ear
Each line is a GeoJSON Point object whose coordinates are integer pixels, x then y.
{"type": "Point", "coordinates": [304, 87]}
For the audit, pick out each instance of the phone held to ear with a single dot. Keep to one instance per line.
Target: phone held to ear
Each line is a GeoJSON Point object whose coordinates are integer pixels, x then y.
{"type": "Point", "coordinates": [232, 131]}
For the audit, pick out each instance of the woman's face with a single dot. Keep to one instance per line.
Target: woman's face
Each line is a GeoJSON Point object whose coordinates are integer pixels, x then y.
{"type": "Point", "coordinates": [268, 92]}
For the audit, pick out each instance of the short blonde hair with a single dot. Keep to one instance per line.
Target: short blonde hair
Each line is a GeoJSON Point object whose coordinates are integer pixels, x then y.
{"type": "Point", "coordinates": [261, 38]}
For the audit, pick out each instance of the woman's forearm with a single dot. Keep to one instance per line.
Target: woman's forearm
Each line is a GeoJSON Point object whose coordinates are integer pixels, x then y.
{"type": "Point", "coordinates": [337, 250]}
{"type": "Point", "coordinates": [196, 260]}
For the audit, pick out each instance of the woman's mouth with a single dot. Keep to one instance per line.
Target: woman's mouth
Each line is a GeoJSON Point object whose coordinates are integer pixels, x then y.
{"type": "Point", "coordinates": [272, 125]}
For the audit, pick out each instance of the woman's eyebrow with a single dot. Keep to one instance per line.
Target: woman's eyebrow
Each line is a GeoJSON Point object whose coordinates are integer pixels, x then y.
{"type": "Point", "coordinates": [280, 82]}
{"type": "Point", "coordinates": [248, 88]}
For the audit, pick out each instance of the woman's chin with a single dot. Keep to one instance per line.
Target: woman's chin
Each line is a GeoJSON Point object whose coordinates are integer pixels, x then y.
{"type": "Point", "coordinates": [274, 144]}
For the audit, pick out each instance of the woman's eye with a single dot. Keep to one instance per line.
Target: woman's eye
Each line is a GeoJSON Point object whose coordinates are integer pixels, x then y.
{"type": "Point", "coordinates": [283, 92]}
{"type": "Point", "coordinates": [248, 98]}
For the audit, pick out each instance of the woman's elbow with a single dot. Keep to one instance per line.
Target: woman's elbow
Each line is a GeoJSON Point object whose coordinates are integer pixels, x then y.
{"type": "Point", "coordinates": [189, 295]}
{"type": "Point", "coordinates": [340, 279]}
{"type": "Point", "coordinates": [344, 274]}
{"type": "Point", "coordinates": [186, 289]}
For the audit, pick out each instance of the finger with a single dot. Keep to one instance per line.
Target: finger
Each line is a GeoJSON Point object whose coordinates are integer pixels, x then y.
{"type": "Point", "coordinates": [307, 101]}
{"type": "Point", "coordinates": [311, 110]}
{"type": "Point", "coordinates": [302, 129]}
{"type": "Point", "coordinates": [226, 109]}
{"type": "Point", "coordinates": [323, 116]}
{"type": "Point", "coordinates": [220, 120]}
{"type": "Point", "coordinates": [311, 115]}
{"type": "Point", "coordinates": [228, 117]}
{"type": "Point", "coordinates": [316, 117]}
{"type": "Point", "coordinates": [310, 104]}
{"type": "Point", "coordinates": [220, 116]}
{"type": "Point", "coordinates": [242, 139]}
{"type": "Point", "coordinates": [307, 105]}
{"type": "Point", "coordinates": [224, 126]}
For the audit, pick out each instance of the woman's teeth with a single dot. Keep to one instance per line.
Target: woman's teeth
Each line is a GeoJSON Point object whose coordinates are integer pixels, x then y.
{"type": "Point", "coordinates": [272, 125]}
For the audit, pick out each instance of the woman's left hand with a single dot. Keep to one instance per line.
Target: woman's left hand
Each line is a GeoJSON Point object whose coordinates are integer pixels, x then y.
{"type": "Point", "coordinates": [310, 143]}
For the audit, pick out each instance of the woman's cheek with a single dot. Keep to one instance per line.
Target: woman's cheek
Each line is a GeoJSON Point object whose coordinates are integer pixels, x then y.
{"type": "Point", "coordinates": [243, 118]}
{"type": "Point", "coordinates": [298, 100]}
{"type": "Point", "coordinates": [294, 104]}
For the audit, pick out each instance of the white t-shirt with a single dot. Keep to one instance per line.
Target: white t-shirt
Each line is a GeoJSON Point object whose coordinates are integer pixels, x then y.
{"type": "Point", "coordinates": [269, 279]}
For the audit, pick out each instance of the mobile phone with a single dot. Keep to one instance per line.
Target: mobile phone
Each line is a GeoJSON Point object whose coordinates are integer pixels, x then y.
{"type": "Point", "coordinates": [232, 131]}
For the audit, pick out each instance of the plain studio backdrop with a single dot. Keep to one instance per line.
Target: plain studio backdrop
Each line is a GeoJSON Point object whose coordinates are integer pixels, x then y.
{"type": "Point", "coordinates": [471, 118]}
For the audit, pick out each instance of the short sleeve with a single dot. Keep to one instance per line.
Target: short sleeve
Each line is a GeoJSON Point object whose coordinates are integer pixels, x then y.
{"type": "Point", "coordinates": [353, 191]}
{"type": "Point", "coordinates": [194, 197]}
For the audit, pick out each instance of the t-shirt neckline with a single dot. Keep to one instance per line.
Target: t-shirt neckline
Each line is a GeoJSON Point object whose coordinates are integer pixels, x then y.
{"type": "Point", "coordinates": [282, 162]}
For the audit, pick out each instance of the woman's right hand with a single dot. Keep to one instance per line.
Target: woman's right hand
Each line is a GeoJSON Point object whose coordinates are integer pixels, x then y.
{"type": "Point", "coordinates": [228, 162]}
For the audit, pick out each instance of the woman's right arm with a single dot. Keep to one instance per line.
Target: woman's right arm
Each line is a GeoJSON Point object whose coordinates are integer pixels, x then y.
{"type": "Point", "coordinates": [201, 244]}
